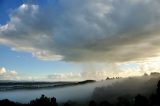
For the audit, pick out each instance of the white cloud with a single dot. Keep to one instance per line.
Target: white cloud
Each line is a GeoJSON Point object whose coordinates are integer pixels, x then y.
{"type": "Point", "coordinates": [13, 73]}
{"type": "Point", "coordinates": [8, 74]}
{"type": "Point", "coordinates": [2, 71]}
{"type": "Point", "coordinates": [118, 32]}
{"type": "Point", "coordinates": [86, 30]}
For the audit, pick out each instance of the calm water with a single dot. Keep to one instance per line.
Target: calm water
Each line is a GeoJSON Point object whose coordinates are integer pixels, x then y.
{"type": "Point", "coordinates": [80, 92]}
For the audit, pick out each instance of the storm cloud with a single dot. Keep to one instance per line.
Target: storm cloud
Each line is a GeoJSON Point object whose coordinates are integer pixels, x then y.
{"type": "Point", "coordinates": [86, 30]}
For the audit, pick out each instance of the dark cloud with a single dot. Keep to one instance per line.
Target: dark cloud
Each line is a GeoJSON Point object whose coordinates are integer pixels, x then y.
{"type": "Point", "coordinates": [81, 30]}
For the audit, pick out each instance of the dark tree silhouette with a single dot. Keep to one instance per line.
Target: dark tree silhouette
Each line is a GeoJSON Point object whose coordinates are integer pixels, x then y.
{"type": "Point", "coordinates": [6, 102]}
{"type": "Point", "coordinates": [53, 101]}
{"type": "Point", "coordinates": [44, 101]}
{"type": "Point", "coordinates": [92, 103]}
{"type": "Point", "coordinates": [155, 98]}
{"type": "Point", "coordinates": [124, 101]}
{"type": "Point", "coordinates": [141, 101]}
{"type": "Point", "coordinates": [158, 88]}
{"type": "Point", "coordinates": [105, 103]}
{"type": "Point", "coordinates": [66, 104]}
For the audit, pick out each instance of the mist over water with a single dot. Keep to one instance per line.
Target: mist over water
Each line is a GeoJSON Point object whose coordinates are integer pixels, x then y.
{"type": "Point", "coordinates": [100, 90]}
{"type": "Point", "coordinates": [128, 87]}
{"type": "Point", "coordinates": [76, 93]}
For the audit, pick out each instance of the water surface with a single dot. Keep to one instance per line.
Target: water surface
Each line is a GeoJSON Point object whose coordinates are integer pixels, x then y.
{"type": "Point", "coordinates": [63, 94]}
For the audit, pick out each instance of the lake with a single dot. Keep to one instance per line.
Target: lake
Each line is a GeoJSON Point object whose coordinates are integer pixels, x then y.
{"type": "Point", "coordinates": [63, 94]}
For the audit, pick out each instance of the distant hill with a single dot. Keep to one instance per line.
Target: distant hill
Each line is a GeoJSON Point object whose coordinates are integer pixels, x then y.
{"type": "Point", "coordinates": [86, 81]}
{"type": "Point", "coordinates": [15, 85]}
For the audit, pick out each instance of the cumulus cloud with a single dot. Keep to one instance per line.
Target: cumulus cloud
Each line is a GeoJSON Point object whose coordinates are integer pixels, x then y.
{"type": "Point", "coordinates": [2, 71]}
{"type": "Point", "coordinates": [86, 30]}
{"type": "Point", "coordinates": [8, 74]}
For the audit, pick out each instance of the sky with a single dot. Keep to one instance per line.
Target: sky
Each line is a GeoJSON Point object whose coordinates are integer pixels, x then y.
{"type": "Point", "coordinates": [70, 40]}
